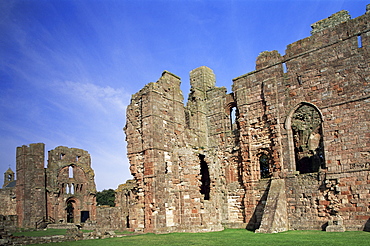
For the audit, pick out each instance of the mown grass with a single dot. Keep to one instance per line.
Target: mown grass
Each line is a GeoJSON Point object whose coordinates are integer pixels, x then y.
{"type": "Point", "coordinates": [42, 233]}
{"type": "Point", "coordinates": [235, 237]}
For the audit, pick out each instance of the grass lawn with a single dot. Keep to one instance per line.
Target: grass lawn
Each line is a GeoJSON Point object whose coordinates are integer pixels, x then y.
{"type": "Point", "coordinates": [235, 237]}
{"type": "Point", "coordinates": [42, 233]}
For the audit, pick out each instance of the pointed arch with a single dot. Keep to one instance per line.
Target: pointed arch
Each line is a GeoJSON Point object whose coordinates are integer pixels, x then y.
{"type": "Point", "coordinates": [305, 138]}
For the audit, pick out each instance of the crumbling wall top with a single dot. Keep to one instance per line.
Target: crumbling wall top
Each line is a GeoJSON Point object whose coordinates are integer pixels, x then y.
{"type": "Point", "coordinates": [202, 78]}
{"type": "Point", "coordinates": [267, 58]}
{"type": "Point", "coordinates": [333, 20]}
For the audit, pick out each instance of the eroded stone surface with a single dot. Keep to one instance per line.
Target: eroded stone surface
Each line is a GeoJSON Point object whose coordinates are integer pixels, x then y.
{"type": "Point", "coordinates": [199, 167]}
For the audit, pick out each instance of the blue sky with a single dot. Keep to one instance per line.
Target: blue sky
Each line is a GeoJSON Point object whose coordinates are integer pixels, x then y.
{"type": "Point", "coordinates": [69, 67]}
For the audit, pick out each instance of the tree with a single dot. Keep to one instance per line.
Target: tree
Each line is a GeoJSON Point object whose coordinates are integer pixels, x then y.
{"type": "Point", "coordinates": [106, 197]}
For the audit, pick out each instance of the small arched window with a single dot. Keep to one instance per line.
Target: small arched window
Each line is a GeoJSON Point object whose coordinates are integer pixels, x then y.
{"type": "Point", "coordinates": [70, 171]}
{"type": "Point", "coordinates": [264, 166]}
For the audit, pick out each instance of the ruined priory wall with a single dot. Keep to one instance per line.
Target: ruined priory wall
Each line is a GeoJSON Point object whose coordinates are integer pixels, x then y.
{"type": "Point", "coordinates": [335, 77]}
{"type": "Point", "coordinates": [8, 201]}
{"type": "Point", "coordinates": [330, 72]}
{"type": "Point", "coordinates": [70, 178]}
{"type": "Point", "coordinates": [168, 147]}
{"type": "Point", "coordinates": [110, 218]}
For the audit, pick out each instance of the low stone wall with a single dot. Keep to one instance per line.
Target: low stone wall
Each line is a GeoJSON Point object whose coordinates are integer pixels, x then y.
{"type": "Point", "coordinates": [71, 235]}
{"type": "Point", "coordinates": [110, 218]}
{"type": "Point", "coordinates": [8, 222]}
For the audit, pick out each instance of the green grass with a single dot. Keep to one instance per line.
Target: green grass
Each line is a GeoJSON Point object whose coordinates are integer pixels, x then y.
{"type": "Point", "coordinates": [123, 232]}
{"type": "Point", "coordinates": [42, 233]}
{"type": "Point", "coordinates": [235, 237]}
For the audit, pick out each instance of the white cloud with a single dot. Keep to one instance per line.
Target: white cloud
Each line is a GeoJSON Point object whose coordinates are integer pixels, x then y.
{"type": "Point", "coordinates": [105, 99]}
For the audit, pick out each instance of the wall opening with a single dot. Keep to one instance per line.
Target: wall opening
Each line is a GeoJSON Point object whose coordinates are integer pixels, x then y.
{"type": "Point", "coordinates": [285, 68]}
{"type": "Point", "coordinates": [205, 187]}
{"type": "Point", "coordinates": [307, 138]}
{"type": "Point", "coordinates": [85, 215]}
{"type": "Point", "coordinates": [264, 166]}
{"type": "Point", "coordinates": [70, 172]}
{"type": "Point", "coordinates": [359, 41]}
{"type": "Point", "coordinates": [233, 116]}
{"type": "Point", "coordinates": [70, 212]}
{"type": "Point", "coordinates": [127, 221]}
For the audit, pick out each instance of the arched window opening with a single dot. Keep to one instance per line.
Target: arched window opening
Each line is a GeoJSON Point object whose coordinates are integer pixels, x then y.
{"type": "Point", "coordinates": [70, 212]}
{"type": "Point", "coordinates": [307, 138]}
{"type": "Point", "coordinates": [10, 177]}
{"type": "Point", "coordinates": [359, 41]}
{"type": "Point", "coordinates": [205, 187]}
{"type": "Point", "coordinates": [285, 67]}
{"type": "Point", "coordinates": [127, 221]}
{"type": "Point", "coordinates": [233, 117]}
{"type": "Point", "coordinates": [264, 166]}
{"type": "Point", "coordinates": [70, 171]}
{"type": "Point", "coordinates": [72, 188]}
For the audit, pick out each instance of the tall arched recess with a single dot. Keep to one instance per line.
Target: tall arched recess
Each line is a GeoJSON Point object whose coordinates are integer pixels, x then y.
{"type": "Point", "coordinates": [305, 132]}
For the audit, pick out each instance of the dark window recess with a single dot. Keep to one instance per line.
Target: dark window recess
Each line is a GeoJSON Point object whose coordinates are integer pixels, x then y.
{"type": "Point", "coordinates": [264, 166]}
{"type": "Point", "coordinates": [205, 180]}
{"type": "Point", "coordinates": [127, 222]}
{"type": "Point", "coordinates": [299, 79]}
{"type": "Point", "coordinates": [70, 213]}
{"type": "Point", "coordinates": [85, 215]}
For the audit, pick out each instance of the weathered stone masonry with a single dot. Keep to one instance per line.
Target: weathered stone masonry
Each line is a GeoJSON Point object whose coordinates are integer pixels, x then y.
{"type": "Point", "coordinates": [294, 156]}
{"type": "Point", "coordinates": [64, 192]}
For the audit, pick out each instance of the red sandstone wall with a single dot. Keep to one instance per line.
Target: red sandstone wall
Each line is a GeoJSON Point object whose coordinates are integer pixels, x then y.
{"type": "Point", "coordinates": [329, 71]}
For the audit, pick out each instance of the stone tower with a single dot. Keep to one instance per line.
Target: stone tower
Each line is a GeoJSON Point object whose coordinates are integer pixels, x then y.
{"type": "Point", "coordinates": [30, 188]}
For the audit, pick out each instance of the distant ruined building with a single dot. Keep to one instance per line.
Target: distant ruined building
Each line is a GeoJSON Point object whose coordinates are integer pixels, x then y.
{"type": "Point", "coordinates": [64, 192]}
{"type": "Point", "coordinates": [288, 149]}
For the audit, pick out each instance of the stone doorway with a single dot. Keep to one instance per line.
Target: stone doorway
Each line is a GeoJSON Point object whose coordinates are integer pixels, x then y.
{"type": "Point", "coordinates": [85, 215]}
{"type": "Point", "coordinates": [70, 211]}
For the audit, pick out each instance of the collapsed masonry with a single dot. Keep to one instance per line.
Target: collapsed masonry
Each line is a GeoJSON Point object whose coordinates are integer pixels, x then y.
{"type": "Point", "coordinates": [287, 149]}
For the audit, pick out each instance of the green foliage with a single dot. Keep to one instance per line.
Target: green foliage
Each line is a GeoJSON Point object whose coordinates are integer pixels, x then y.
{"type": "Point", "coordinates": [106, 197]}
{"type": "Point", "coordinates": [237, 237]}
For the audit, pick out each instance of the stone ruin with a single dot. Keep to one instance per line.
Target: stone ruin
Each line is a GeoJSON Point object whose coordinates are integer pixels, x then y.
{"type": "Point", "coordinates": [288, 149]}
{"type": "Point", "coordinates": [63, 193]}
